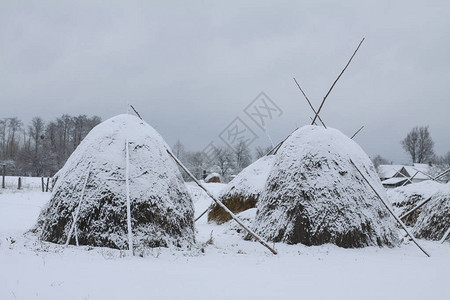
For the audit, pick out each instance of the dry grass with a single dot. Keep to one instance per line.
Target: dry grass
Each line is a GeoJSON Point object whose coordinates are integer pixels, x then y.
{"type": "Point", "coordinates": [235, 203]}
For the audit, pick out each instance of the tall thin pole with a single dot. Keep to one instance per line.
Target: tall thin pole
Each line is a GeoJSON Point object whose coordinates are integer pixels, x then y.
{"type": "Point", "coordinates": [309, 102]}
{"type": "Point", "coordinates": [390, 210]}
{"type": "Point", "coordinates": [127, 183]}
{"type": "Point", "coordinates": [233, 216]}
{"type": "Point", "coordinates": [334, 83]}
{"type": "Point", "coordinates": [357, 132]}
{"type": "Point", "coordinates": [3, 177]}
{"type": "Point", "coordinates": [77, 211]}
{"type": "Point", "coordinates": [445, 236]}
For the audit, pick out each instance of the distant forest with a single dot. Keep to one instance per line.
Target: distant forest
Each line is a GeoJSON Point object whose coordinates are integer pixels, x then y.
{"type": "Point", "coordinates": [41, 149]}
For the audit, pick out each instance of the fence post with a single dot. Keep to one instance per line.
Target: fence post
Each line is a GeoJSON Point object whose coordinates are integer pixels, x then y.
{"type": "Point", "coordinates": [46, 185]}
{"type": "Point", "coordinates": [3, 177]}
{"type": "Point", "coordinates": [42, 183]}
{"type": "Point", "coordinates": [19, 183]}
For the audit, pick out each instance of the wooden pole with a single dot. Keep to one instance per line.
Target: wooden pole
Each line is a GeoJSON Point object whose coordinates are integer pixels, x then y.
{"type": "Point", "coordinates": [127, 184]}
{"type": "Point", "coordinates": [357, 132]}
{"type": "Point", "coordinates": [201, 215]}
{"type": "Point", "coordinates": [275, 149]}
{"type": "Point", "coordinates": [334, 83]}
{"type": "Point", "coordinates": [42, 184]}
{"type": "Point", "coordinates": [415, 208]}
{"type": "Point", "coordinates": [417, 172]}
{"type": "Point", "coordinates": [19, 183]}
{"type": "Point", "coordinates": [136, 112]}
{"type": "Point", "coordinates": [390, 210]}
{"type": "Point", "coordinates": [310, 105]}
{"type": "Point", "coordinates": [3, 177]}
{"type": "Point", "coordinates": [77, 211]}
{"type": "Point", "coordinates": [442, 174]}
{"type": "Point", "coordinates": [259, 239]}
{"type": "Point", "coordinates": [46, 185]}
{"type": "Point", "coordinates": [445, 236]}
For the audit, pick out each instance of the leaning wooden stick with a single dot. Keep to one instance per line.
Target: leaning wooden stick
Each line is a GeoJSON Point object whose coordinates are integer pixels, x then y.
{"type": "Point", "coordinates": [275, 149]}
{"type": "Point", "coordinates": [445, 236]}
{"type": "Point", "coordinates": [310, 105]}
{"type": "Point", "coordinates": [415, 208]}
{"type": "Point", "coordinates": [259, 239]}
{"type": "Point", "coordinates": [442, 174]}
{"type": "Point", "coordinates": [357, 132]}
{"type": "Point", "coordinates": [334, 83]}
{"type": "Point", "coordinates": [136, 112]}
{"type": "Point", "coordinates": [390, 210]}
{"type": "Point", "coordinates": [77, 212]}
{"type": "Point", "coordinates": [201, 215]}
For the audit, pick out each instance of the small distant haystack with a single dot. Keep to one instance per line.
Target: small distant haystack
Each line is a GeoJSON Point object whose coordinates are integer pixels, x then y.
{"type": "Point", "coordinates": [213, 178]}
{"type": "Point", "coordinates": [407, 197]}
{"type": "Point", "coordinates": [243, 191]}
{"type": "Point", "coordinates": [434, 219]}
{"type": "Point", "coordinates": [161, 207]}
{"type": "Point", "coordinates": [314, 195]}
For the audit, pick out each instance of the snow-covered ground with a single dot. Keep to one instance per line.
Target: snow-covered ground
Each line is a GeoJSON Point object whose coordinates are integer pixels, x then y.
{"type": "Point", "coordinates": [227, 268]}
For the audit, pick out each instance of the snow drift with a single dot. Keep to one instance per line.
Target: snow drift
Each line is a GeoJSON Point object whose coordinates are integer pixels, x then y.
{"type": "Point", "coordinates": [244, 190]}
{"type": "Point", "coordinates": [314, 195]}
{"type": "Point", "coordinates": [161, 207]}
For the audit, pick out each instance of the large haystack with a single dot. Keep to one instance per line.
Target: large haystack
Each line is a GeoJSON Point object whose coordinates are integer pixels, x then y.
{"type": "Point", "coordinates": [407, 197]}
{"type": "Point", "coordinates": [314, 195]}
{"type": "Point", "coordinates": [161, 207]}
{"type": "Point", "coordinates": [434, 219]}
{"type": "Point", "coordinates": [243, 191]}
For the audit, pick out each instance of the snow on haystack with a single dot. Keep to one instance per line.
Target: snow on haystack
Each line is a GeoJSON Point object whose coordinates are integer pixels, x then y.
{"type": "Point", "coordinates": [161, 207]}
{"type": "Point", "coordinates": [243, 191]}
{"type": "Point", "coordinates": [407, 197]}
{"type": "Point", "coordinates": [314, 195]}
{"type": "Point", "coordinates": [434, 219]}
{"type": "Point", "coordinates": [213, 178]}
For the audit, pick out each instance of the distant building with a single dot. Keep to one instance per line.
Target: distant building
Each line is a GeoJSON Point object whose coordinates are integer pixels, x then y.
{"type": "Point", "coordinates": [397, 175]}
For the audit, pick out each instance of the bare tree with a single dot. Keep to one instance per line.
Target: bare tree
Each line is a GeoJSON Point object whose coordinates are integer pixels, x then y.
{"type": "Point", "coordinates": [419, 145]}
{"type": "Point", "coordinates": [223, 160]}
{"type": "Point", "coordinates": [196, 163]}
{"type": "Point", "coordinates": [379, 160]}
{"type": "Point", "coordinates": [242, 156]}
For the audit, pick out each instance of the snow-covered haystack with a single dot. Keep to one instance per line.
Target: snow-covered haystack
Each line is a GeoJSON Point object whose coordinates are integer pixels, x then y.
{"type": "Point", "coordinates": [213, 178]}
{"type": "Point", "coordinates": [243, 191]}
{"type": "Point", "coordinates": [161, 207]}
{"type": "Point", "coordinates": [314, 195]}
{"type": "Point", "coordinates": [434, 219]}
{"type": "Point", "coordinates": [406, 197]}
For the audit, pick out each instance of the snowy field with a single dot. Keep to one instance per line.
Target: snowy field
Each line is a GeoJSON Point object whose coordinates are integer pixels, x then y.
{"type": "Point", "coordinates": [227, 268]}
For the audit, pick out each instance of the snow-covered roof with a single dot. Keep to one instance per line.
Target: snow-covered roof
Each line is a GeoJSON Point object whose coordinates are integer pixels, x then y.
{"type": "Point", "coordinates": [388, 171]}
{"type": "Point", "coordinates": [394, 180]}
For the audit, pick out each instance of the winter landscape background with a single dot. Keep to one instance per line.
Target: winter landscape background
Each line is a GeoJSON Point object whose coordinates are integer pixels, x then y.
{"type": "Point", "coordinates": [216, 80]}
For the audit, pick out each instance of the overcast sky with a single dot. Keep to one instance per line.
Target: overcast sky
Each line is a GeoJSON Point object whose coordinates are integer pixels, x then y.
{"type": "Point", "coordinates": [190, 69]}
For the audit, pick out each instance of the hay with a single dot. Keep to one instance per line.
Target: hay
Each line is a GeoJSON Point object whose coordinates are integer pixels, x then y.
{"type": "Point", "coordinates": [409, 196]}
{"type": "Point", "coordinates": [314, 195]}
{"type": "Point", "coordinates": [161, 207]}
{"type": "Point", "coordinates": [243, 191]}
{"type": "Point", "coordinates": [213, 178]}
{"type": "Point", "coordinates": [434, 218]}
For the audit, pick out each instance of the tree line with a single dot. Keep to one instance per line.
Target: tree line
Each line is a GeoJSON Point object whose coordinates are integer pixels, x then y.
{"type": "Point", "coordinates": [223, 160]}
{"type": "Point", "coordinates": [41, 148]}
